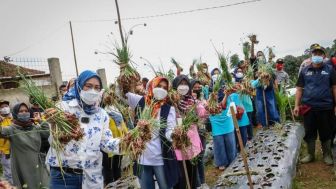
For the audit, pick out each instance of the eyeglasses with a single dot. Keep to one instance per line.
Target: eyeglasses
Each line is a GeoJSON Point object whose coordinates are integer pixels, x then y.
{"type": "Point", "coordinates": [91, 86]}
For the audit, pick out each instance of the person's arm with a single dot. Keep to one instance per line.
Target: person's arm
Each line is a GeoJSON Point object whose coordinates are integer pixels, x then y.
{"type": "Point", "coordinates": [133, 99]}
{"type": "Point", "coordinates": [109, 144]}
{"type": "Point", "coordinates": [171, 123]}
{"type": "Point", "coordinates": [299, 93]}
{"type": "Point", "coordinates": [44, 129]}
{"type": "Point", "coordinates": [333, 84]}
{"type": "Point", "coordinates": [201, 111]}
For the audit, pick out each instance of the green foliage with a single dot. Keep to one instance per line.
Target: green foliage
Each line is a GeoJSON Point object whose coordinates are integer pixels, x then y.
{"type": "Point", "coordinates": [234, 60]}
{"type": "Point", "coordinates": [246, 50]}
{"type": "Point", "coordinates": [226, 76]}
{"type": "Point", "coordinates": [282, 102]}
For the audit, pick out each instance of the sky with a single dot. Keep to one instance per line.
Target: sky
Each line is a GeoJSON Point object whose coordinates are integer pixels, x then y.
{"type": "Point", "coordinates": [40, 28]}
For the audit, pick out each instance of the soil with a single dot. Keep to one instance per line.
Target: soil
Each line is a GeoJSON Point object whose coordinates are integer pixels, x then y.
{"type": "Point", "coordinates": [315, 175]}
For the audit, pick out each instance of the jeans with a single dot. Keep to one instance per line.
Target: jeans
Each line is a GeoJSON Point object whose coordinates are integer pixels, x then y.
{"type": "Point", "coordinates": [147, 180]}
{"type": "Point", "coordinates": [250, 127]}
{"type": "Point", "coordinates": [66, 181]}
{"type": "Point", "coordinates": [243, 134]}
{"type": "Point", "coordinates": [200, 166]}
{"type": "Point", "coordinates": [225, 150]}
{"type": "Point", "coordinates": [6, 168]}
{"type": "Point", "coordinates": [272, 112]}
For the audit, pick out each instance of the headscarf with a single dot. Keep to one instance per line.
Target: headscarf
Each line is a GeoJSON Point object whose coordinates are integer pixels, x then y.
{"type": "Point", "coordinates": [193, 83]}
{"type": "Point", "coordinates": [150, 95]}
{"type": "Point", "coordinates": [15, 112]}
{"type": "Point", "coordinates": [75, 91]}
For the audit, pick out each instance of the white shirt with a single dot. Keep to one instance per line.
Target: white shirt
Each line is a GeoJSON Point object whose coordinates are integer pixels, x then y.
{"type": "Point", "coordinates": [153, 153]}
{"type": "Point", "coordinates": [85, 154]}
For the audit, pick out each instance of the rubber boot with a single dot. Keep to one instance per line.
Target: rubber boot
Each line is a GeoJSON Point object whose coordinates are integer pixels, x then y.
{"type": "Point", "coordinates": [311, 153]}
{"type": "Point", "coordinates": [326, 149]}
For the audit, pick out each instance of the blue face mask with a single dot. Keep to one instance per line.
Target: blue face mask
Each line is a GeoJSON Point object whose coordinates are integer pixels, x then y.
{"type": "Point", "coordinates": [317, 59]}
{"type": "Point", "coordinates": [23, 117]}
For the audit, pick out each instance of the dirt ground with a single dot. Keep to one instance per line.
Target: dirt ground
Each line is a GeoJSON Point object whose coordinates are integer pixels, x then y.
{"type": "Point", "coordinates": [315, 175]}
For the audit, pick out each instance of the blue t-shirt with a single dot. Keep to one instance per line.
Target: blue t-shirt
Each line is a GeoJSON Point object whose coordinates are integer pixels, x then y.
{"type": "Point", "coordinates": [221, 124]}
{"type": "Point", "coordinates": [234, 97]}
{"type": "Point", "coordinates": [247, 102]}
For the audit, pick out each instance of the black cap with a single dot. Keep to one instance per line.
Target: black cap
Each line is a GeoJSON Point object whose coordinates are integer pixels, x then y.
{"type": "Point", "coordinates": [317, 47]}
{"type": "Point", "coordinates": [280, 61]}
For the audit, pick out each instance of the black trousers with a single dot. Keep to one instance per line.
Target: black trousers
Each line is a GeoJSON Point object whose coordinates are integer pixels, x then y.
{"type": "Point", "coordinates": [322, 121]}
{"type": "Point", "coordinates": [192, 174]}
{"type": "Point", "coordinates": [111, 168]}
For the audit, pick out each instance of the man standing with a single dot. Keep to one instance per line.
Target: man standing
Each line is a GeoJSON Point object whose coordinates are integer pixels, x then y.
{"type": "Point", "coordinates": [316, 90]}
{"type": "Point", "coordinates": [282, 77]}
{"type": "Point", "coordinates": [5, 121]}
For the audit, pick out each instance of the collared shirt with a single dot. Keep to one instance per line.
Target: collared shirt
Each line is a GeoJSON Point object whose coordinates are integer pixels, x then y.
{"type": "Point", "coordinates": [86, 153]}
{"type": "Point", "coordinates": [282, 77]}
{"type": "Point", "coordinates": [317, 86]}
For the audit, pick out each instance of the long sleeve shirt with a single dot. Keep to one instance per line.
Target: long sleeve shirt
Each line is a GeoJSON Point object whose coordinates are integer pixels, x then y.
{"type": "Point", "coordinates": [86, 153]}
{"type": "Point", "coordinates": [153, 153]}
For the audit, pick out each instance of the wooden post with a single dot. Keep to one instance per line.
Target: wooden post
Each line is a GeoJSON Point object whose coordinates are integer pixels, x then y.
{"type": "Point", "coordinates": [119, 23]}
{"type": "Point", "coordinates": [265, 108]}
{"type": "Point", "coordinates": [186, 174]}
{"type": "Point", "coordinates": [73, 48]}
{"type": "Point", "coordinates": [242, 149]}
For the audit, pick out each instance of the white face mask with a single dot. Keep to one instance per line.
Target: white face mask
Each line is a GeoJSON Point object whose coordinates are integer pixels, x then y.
{"type": "Point", "coordinates": [5, 110]}
{"type": "Point", "coordinates": [239, 75]}
{"type": "Point", "coordinates": [183, 89]}
{"type": "Point", "coordinates": [214, 78]}
{"type": "Point", "coordinates": [90, 97]}
{"type": "Point", "coordinates": [159, 93]}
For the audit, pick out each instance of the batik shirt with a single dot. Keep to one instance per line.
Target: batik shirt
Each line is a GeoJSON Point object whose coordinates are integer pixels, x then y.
{"type": "Point", "coordinates": [86, 153]}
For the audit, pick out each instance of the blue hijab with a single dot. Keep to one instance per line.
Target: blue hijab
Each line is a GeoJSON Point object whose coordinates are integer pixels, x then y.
{"type": "Point", "coordinates": [73, 93]}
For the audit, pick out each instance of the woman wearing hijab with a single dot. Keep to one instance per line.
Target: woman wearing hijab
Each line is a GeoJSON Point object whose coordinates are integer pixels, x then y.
{"type": "Point", "coordinates": [182, 85]}
{"type": "Point", "coordinates": [158, 159]}
{"type": "Point", "coordinates": [28, 169]}
{"type": "Point", "coordinates": [81, 160]}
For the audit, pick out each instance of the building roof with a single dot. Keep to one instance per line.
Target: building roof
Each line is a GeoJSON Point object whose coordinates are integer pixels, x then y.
{"type": "Point", "coordinates": [11, 70]}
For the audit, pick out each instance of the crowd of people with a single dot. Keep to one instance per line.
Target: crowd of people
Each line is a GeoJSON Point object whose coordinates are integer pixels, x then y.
{"type": "Point", "coordinates": [30, 160]}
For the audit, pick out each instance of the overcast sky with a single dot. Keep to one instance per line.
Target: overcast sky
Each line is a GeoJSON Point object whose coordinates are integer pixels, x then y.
{"type": "Point", "coordinates": [39, 28]}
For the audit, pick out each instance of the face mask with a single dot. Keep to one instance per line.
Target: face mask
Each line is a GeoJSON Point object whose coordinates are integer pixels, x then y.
{"type": "Point", "coordinates": [317, 59]}
{"type": "Point", "coordinates": [333, 60]}
{"type": "Point", "coordinates": [159, 93]}
{"type": "Point", "coordinates": [239, 75]}
{"type": "Point", "coordinates": [5, 110]}
{"type": "Point", "coordinates": [90, 97]}
{"type": "Point", "coordinates": [214, 78]}
{"type": "Point", "coordinates": [198, 93]}
{"type": "Point", "coordinates": [279, 67]}
{"type": "Point", "coordinates": [183, 89]}
{"type": "Point", "coordinates": [23, 117]}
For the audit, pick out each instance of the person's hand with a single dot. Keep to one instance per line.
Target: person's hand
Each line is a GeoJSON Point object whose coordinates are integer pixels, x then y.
{"type": "Point", "coordinates": [1, 118]}
{"type": "Point", "coordinates": [37, 116]}
{"type": "Point", "coordinates": [50, 113]}
{"type": "Point", "coordinates": [296, 110]}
